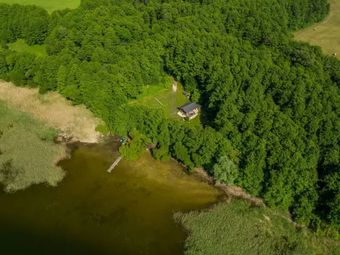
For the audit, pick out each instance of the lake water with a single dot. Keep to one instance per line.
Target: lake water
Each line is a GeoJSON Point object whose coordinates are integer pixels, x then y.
{"type": "Point", "coordinates": [127, 212]}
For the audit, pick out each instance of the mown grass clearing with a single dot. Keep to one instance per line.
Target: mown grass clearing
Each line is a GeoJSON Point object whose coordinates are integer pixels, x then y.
{"type": "Point", "coordinates": [49, 5]}
{"type": "Point", "coordinates": [160, 97]}
{"type": "Point", "coordinates": [27, 152]}
{"type": "Point", "coordinates": [239, 229]}
{"type": "Point", "coordinates": [165, 98]}
{"type": "Point", "coordinates": [325, 34]}
{"type": "Point", "coordinates": [21, 46]}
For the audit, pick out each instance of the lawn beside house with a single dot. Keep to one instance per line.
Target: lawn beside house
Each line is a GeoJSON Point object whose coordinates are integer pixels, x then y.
{"type": "Point", "coordinates": [163, 97]}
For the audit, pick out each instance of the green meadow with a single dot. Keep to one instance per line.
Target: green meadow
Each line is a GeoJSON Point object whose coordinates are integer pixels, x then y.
{"type": "Point", "coordinates": [163, 97]}
{"type": "Point", "coordinates": [27, 152]}
{"type": "Point", "coordinates": [49, 5]}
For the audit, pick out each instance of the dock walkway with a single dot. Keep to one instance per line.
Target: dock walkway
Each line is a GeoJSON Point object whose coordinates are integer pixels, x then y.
{"type": "Point", "coordinates": [114, 164]}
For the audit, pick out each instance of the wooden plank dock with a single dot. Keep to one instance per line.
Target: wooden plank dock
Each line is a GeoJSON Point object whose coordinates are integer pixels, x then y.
{"type": "Point", "coordinates": [114, 164]}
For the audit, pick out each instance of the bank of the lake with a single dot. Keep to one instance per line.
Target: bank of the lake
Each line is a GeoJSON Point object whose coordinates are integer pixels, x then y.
{"type": "Point", "coordinates": [28, 154]}
{"type": "Point", "coordinates": [239, 228]}
{"type": "Point", "coordinates": [55, 111]}
{"type": "Point", "coordinates": [129, 211]}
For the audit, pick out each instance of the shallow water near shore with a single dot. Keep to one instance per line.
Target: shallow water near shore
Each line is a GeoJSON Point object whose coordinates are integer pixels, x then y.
{"type": "Point", "coordinates": [129, 211]}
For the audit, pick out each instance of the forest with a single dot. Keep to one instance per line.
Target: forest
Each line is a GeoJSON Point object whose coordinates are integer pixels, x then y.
{"type": "Point", "coordinates": [270, 121]}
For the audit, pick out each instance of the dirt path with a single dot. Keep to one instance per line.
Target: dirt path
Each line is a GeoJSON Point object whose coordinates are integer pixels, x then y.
{"type": "Point", "coordinates": [325, 34]}
{"type": "Point", "coordinates": [72, 121]}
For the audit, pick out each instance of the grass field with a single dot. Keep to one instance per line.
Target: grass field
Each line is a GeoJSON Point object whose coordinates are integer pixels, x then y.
{"type": "Point", "coordinates": [27, 151]}
{"type": "Point", "coordinates": [325, 34]}
{"type": "Point", "coordinates": [236, 228]}
{"type": "Point", "coordinates": [164, 98]}
{"type": "Point", "coordinates": [21, 46]}
{"type": "Point", "coordinates": [49, 5]}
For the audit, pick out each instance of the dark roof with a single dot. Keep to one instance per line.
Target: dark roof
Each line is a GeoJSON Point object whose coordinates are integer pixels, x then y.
{"type": "Point", "coordinates": [189, 107]}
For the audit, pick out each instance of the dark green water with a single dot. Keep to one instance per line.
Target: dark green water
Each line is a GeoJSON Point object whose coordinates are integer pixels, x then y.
{"type": "Point", "coordinates": [129, 211]}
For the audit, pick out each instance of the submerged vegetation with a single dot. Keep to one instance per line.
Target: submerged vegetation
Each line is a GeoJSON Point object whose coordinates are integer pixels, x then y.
{"type": "Point", "coordinates": [28, 153]}
{"type": "Point", "coordinates": [270, 104]}
{"type": "Point", "coordinates": [219, 231]}
{"type": "Point", "coordinates": [127, 212]}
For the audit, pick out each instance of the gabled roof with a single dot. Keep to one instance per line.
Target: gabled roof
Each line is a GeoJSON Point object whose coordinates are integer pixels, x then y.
{"type": "Point", "coordinates": [189, 107]}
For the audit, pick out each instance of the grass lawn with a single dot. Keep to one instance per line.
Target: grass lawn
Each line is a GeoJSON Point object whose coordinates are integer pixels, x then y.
{"type": "Point", "coordinates": [49, 5]}
{"type": "Point", "coordinates": [325, 34]}
{"type": "Point", "coordinates": [27, 151]}
{"type": "Point", "coordinates": [21, 46]}
{"type": "Point", "coordinates": [165, 98]}
{"type": "Point", "coordinates": [160, 97]}
{"type": "Point", "coordinates": [236, 228]}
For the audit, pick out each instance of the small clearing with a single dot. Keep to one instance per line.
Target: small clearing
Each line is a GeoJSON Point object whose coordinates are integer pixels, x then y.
{"type": "Point", "coordinates": [325, 34]}
{"type": "Point", "coordinates": [49, 5]}
{"type": "Point", "coordinates": [21, 46]}
{"type": "Point", "coordinates": [54, 110]}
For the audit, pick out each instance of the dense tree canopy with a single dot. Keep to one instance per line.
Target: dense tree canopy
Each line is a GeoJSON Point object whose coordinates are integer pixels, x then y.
{"type": "Point", "coordinates": [271, 104]}
{"type": "Point", "coordinates": [26, 22]}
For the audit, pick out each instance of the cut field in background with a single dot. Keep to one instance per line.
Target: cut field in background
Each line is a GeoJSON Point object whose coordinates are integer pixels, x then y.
{"type": "Point", "coordinates": [325, 34]}
{"type": "Point", "coordinates": [49, 5]}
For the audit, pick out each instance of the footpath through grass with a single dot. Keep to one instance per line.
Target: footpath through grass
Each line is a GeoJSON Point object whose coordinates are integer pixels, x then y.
{"type": "Point", "coordinates": [236, 228]}
{"type": "Point", "coordinates": [27, 152]}
{"type": "Point", "coordinates": [49, 5]}
{"type": "Point", "coordinates": [161, 97]}
{"type": "Point", "coordinates": [325, 34]}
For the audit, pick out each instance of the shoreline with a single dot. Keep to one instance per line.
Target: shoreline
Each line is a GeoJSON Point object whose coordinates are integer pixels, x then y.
{"type": "Point", "coordinates": [73, 122]}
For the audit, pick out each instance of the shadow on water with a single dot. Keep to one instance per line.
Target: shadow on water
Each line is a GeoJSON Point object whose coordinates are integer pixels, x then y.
{"type": "Point", "coordinates": [129, 211]}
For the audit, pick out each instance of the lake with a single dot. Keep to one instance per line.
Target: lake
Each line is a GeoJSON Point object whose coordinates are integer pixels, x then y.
{"type": "Point", "coordinates": [129, 211]}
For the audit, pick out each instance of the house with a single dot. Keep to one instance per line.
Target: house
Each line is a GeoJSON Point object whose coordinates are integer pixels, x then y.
{"type": "Point", "coordinates": [189, 111]}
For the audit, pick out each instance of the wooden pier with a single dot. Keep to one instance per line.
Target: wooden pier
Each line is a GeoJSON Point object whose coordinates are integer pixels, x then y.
{"type": "Point", "coordinates": [114, 164]}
